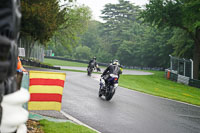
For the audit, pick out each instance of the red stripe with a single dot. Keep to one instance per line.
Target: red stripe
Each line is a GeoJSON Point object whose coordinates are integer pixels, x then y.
{"type": "Point", "coordinates": [40, 81]}
{"type": "Point", "coordinates": [46, 97]}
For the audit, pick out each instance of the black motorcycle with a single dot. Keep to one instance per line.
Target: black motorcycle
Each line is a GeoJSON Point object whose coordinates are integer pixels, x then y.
{"type": "Point", "coordinates": [108, 89]}
{"type": "Point", "coordinates": [91, 68]}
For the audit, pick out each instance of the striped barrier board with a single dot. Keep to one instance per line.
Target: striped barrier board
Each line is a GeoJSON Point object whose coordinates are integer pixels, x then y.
{"type": "Point", "coordinates": [46, 90]}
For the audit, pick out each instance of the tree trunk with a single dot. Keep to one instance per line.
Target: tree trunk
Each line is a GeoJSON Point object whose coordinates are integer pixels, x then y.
{"type": "Point", "coordinates": [28, 44]}
{"type": "Point", "coordinates": [196, 59]}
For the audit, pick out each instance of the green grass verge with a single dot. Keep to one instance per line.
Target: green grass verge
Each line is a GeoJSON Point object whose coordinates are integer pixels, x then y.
{"type": "Point", "coordinates": [158, 85]}
{"type": "Point", "coordinates": [55, 62]}
{"type": "Point", "coordinates": [64, 63]}
{"type": "Point", "coordinates": [152, 84]}
{"type": "Point", "coordinates": [63, 127]}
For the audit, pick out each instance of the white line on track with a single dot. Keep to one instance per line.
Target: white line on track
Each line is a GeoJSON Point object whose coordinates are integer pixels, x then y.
{"type": "Point", "coordinates": [77, 121]}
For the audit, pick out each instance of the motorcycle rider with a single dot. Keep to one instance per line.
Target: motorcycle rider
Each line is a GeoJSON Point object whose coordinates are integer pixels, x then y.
{"type": "Point", "coordinates": [93, 64]}
{"type": "Point", "coordinates": [114, 68]}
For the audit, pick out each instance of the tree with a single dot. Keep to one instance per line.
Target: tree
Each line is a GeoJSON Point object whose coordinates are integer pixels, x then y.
{"type": "Point", "coordinates": [182, 44]}
{"type": "Point", "coordinates": [91, 37]}
{"type": "Point", "coordinates": [183, 14]}
{"type": "Point", "coordinates": [68, 33]}
{"type": "Point", "coordinates": [40, 20]}
{"type": "Point", "coordinates": [119, 19]}
{"type": "Point", "coordinates": [83, 52]}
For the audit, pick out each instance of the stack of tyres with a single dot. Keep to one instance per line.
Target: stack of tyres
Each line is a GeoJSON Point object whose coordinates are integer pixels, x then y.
{"type": "Point", "coordinates": [10, 17]}
{"type": "Point", "coordinates": [9, 30]}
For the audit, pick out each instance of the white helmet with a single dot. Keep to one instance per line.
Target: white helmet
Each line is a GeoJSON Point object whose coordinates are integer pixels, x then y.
{"type": "Point", "coordinates": [115, 62]}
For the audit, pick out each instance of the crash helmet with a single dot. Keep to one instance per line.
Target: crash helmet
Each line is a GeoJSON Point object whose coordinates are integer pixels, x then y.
{"type": "Point", "coordinates": [94, 58]}
{"type": "Point", "coordinates": [115, 62]}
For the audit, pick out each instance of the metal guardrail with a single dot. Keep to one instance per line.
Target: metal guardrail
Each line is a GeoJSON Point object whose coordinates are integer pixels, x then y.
{"type": "Point", "coordinates": [194, 83]}
{"type": "Point", "coordinates": [37, 64]}
{"type": "Point", "coordinates": [106, 64]}
{"type": "Point", "coordinates": [80, 61]}
{"type": "Point", "coordinates": [172, 75]}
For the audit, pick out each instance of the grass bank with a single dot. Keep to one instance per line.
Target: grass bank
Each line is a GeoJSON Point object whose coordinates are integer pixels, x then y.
{"type": "Point", "coordinates": [155, 84]}
{"type": "Point", "coordinates": [158, 85]}
{"type": "Point", "coordinates": [63, 127]}
{"type": "Point", "coordinates": [64, 63]}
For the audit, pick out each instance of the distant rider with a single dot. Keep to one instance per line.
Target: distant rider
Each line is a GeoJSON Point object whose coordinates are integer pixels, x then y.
{"type": "Point", "coordinates": [93, 64]}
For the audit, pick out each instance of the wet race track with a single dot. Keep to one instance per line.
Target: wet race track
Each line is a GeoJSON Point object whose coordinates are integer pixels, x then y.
{"type": "Point", "coordinates": [128, 112]}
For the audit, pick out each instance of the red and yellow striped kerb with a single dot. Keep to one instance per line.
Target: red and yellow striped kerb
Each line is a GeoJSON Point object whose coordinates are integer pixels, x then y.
{"type": "Point", "coordinates": [46, 90]}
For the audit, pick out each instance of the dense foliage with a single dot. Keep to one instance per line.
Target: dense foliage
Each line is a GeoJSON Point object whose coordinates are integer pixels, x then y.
{"type": "Point", "coordinates": [182, 14]}
{"type": "Point", "coordinates": [142, 37]}
{"type": "Point", "coordinates": [47, 20]}
{"type": "Point", "coordinates": [123, 36]}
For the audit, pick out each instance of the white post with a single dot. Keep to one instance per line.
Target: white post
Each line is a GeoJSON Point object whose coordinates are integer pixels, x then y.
{"type": "Point", "coordinates": [184, 67]}
{"type": "Point", "coordinates": [191, 68]}
{"type": "Point", "coordinates": [170, 62]}
{"type": "Point", "coordinates": [20, 42]}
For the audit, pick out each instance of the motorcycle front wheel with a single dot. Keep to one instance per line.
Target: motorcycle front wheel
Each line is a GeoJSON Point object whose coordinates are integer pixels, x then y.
{"type": "Point", "coordinates": [110, 94]}
{"type": "Point", "coordinates": [100, 93]}
{"type": "Point", "coordinates": [89, 71]}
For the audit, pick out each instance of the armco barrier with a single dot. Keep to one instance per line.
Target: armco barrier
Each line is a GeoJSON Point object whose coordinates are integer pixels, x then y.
{"type": "Point", "coordinates": [106, 64]}
{"type": "Point", "coordinates": [37, 64]}
{"type": "Point", "coordinates": [182, 79]}
{"type": "Point", "coordinates": [80, 61]}
{"type": "Point", "coordinates": [194, 83]}
{"type": "Point", "coordinates": [173, 76]}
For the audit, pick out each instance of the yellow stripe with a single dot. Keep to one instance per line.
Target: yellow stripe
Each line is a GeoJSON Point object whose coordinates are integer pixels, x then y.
{"type": "Point", "coordinates": [44, 106]}
{"type": "Point", "coordinates": [47, 75]}
{"type": "Point", "coordinates": [45, 89]}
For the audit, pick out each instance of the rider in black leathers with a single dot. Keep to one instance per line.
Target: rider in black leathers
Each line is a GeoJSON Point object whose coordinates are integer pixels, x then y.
{"type": "Point", "coordinates": [113, 68]}
{"type": "Point", "coordinates": [92, 63]}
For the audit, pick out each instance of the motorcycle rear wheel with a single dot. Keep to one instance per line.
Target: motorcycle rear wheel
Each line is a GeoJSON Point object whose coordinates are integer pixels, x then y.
{"type": "Point", "coordinates": [100, 93]}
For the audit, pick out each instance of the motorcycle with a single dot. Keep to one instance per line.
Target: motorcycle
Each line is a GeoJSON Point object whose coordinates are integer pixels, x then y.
{"type": "Point", "coordinates": [91, 68]}
{"type": "Point", "coordinates": [89, 71]}
{"type": "Point", "coordinates": [108, 89]}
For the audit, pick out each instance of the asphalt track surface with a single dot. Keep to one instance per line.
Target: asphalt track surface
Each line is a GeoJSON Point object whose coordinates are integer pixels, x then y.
{"type": "Point", "coordinates": [128, 72]}
{"type": "Point", "coordinates": [128, 112]}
